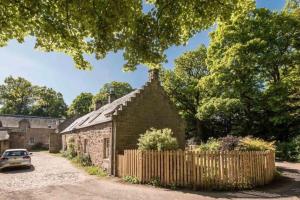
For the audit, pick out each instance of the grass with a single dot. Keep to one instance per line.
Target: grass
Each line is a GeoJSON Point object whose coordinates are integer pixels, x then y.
{"type": "Point", "coordinates": [90, 169]}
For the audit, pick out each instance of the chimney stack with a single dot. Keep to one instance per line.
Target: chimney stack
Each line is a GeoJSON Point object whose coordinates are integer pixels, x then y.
{"type": "Point", "coordinates": [111, 95]}
{"type": "Point", "coordinates": [153, 74]}
{"type": "Point", "coordinates": [98, 104]}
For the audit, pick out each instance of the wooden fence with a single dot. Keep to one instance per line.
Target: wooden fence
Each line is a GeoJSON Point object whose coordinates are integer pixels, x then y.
{"type": "Point", "coordinates": [207, 170]}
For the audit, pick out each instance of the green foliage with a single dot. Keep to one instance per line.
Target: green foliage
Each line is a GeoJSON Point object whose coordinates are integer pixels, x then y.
{"type": "Point", "coordinates": [118, 89]}
{"type": "Point", "coordinates": [254, 76]}
{"type": "Point", "coordinates": [212, 144]}
{"type": "Point", "coordinates": [84, 160]}
{"type": "Point", "coordinates": [81, 104]}
{"type": "Point", "coordinates": [19, 96]}
{"type": "Point", "coordinates": [158, 139]}
{"type": "Point", "coordinates": [16, 96]}
{"type": "Point", "coordinates": [230, 143]}
{"type": "Point", "coordinates": [48, 102]}
{"type": "Point", "coordinates": [255, 144]}
{"type": "Point", "coordinates": [71, 152]}
{"type": "Point", "coordinates": [289, 150]}
{"type": "Point", "coordinates": [181, 85]}
{"type": "Point", "coordinates": [38, 146]}
{"type": "Point", "coordinates": [155, 181]}
{"type": "Point", "coordinates": [96, 171]}
{"type": "Point", "coordinates": [102, 26]}
{"type": "Point", "coordinates": [131, 179]}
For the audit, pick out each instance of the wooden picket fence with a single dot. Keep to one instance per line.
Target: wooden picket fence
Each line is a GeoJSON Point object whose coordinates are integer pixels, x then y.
{"type": "Point", "coordinates": [207, 170]}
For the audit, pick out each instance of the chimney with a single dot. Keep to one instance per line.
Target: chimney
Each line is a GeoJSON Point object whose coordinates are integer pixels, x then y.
{"type": "Point", "coordinates": [153, 74]}
{"type": "Point", "coordinates": [111, 95]}
{"type": "Point", "coordinates": [98, 104]}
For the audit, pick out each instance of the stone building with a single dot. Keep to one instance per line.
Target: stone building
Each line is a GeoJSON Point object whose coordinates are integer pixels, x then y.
{"type": "Point", "coordinates": [19, 131]}
{"type": "Point", "coordinates": [116, 126]}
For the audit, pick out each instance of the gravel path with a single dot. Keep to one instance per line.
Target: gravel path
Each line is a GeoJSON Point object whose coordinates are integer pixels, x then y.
{"type": "Point", "coordinates": [46, 170]}
{"type": "Point", "coordinates": [54, 178]}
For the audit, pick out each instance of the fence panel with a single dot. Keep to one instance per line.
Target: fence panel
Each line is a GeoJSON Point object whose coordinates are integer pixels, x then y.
{"type": "Point", "coordinates": [219, 170]}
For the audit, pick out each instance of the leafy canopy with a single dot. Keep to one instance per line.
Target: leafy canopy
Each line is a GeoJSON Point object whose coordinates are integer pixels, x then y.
{"type": "Point", "coordinates": [19, 96]}
{"type": "Point", "coordinates": [142, 29]}
{"type": "Point", "coordinates": [254, 74]}
{"type": "Point", "coordinates": [181, 85]}
{"type": "Point", "coordinates": [118, 89]}
{"type": "Point", "coordinates": [81, 104]}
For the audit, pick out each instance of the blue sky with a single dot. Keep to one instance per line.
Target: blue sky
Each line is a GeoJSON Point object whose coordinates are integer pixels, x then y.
{"type": "Point", "coordinates": [57, 70]}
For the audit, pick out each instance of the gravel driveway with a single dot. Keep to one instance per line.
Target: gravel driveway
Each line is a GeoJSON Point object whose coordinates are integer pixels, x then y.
{"type": "Point", "coordinates": [54, 178]}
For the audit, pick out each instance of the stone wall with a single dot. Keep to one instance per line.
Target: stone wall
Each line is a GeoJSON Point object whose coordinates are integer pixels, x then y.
{"type": "Point", "coordinates": [93, 137]}
{"type": "Point", "coordinates": [55, 142]}
{"type": "Point", "coordinates": [151, 108]}
{"type": "Point", "coordinates": [4, 144]}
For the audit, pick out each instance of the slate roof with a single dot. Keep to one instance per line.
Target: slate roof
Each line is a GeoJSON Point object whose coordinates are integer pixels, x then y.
{"type": "Point", "coordinates": [4, 135]}
{"type": "Point", "coordinates": [12, 121]}
{"type": "Point", "coordinates": [103, 114]}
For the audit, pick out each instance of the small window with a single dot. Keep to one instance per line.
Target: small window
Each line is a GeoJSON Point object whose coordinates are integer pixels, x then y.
{"type": "Point", "coordinates": [85, 145]}
{"type": "Point", "coordinates": [31, 140]}
{"type": "Point", "coordinates": [106, 148]}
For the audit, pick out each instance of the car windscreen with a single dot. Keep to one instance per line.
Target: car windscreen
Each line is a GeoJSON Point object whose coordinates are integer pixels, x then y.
{"type": "Point", "coordinates": [15, 153]}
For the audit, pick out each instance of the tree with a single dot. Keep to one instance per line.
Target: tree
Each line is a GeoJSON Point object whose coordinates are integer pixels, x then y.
{"type": "Point", "coordinates": [100, 26]}
{"type": "Point", "coordinates": [16, 96]}
{"type": "Point", "coordinates": [48, 103]}
{"type": "Point", "coordinates": [118, 89]}
{"type": "Point", "coordinates": [81, 104]}
{"type": "Point", "coordinates": [181, 85]}
{"type": "Point", "coordinates": [254, 80]}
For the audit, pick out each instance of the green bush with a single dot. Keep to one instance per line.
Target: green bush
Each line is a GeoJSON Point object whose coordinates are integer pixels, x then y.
{"type": "Point", "coordinates": [212, 144]}
{"type": "Point", "coordinates": [131, 179]}
{"type": "Point", "coordinates": [255, 144]}
{"type": "Point", "coordinates": [94, 170]}
{"type": "Point", "coordinates": [155, 181]}
{"type": "Point", "coordinates": [155, 139]}
{"type": "Point", "coordinates": [85, 160]}
{"type": "Point", "coordinates": [289, 150]}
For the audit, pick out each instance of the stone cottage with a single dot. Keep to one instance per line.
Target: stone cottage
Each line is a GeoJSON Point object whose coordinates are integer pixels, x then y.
{"type": "Point", "coordinates": [19, 131]}
{"type": "Point", "coordinates": [116, 126]}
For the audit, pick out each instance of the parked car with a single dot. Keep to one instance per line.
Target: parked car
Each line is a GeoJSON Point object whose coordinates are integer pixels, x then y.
{"type": "Point", "coordinates": [15, 158]}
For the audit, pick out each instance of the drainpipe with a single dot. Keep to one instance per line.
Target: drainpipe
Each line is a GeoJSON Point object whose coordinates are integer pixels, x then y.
{"type": "Point", "coordinates": [113, 149]}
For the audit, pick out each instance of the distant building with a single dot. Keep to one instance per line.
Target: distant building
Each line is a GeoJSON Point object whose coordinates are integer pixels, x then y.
{"type": "Point", "coordinates": [116, 126]}
{"type": "Point", "coordinates": [19, 131]}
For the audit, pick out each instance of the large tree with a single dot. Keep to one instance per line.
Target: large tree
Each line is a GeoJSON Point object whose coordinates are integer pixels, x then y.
{"type": "Point", "coordinates": [81, 104]}
{"type": "Point", "coordinates": [254, 80]}
{"type": "Point", "coordinates": [48, 102]}
{"type": "Point", "coordinates": [16, 96]}
{"type": "Point", "coordinates": [181, 85]}
{"type": "Point", "coordinates": [118, 89]}
{"type": "Point", "coordinates": [142, 29]}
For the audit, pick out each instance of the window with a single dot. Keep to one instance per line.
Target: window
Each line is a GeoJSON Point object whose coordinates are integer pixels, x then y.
{"type": "Point", "coordinates": [31, 140]}
{"type": "Point", "coordinates": [106, 148]}
{"type": "Point", "coordinates": [85, 145]}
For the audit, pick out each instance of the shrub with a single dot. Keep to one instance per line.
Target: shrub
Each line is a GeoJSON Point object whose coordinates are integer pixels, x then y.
{"type": "Point", "coordinates": [97, 171]}
{"type": "Point", "coordinates": [155, 139]}
{"type": "Point", "coordinates": [131, 179]}
{"type": "Point", "coordinates": [255, 144]}
{"type": "Point", "coordinates": [85, 160]}
{"type": "Point", "coordinates": [212, 144]}
{"type": "Point", "coordinates": [290, 150]}
{"type": "Point", "coordinates": [71, 150]}
{"type": "Point", "coordinates": [229, 142]}
{"type": "Point", "coordinates": [155, 181]}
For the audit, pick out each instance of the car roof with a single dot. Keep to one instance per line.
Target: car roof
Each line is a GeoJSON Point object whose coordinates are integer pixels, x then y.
{"type": "Point", "coordinates": [16, 150]}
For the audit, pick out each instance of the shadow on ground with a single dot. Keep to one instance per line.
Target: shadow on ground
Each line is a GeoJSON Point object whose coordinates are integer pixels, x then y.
{"type": "Point", "coordinates": [284, 186]}
{"type": "Point", "coordinates": [17, 170]}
